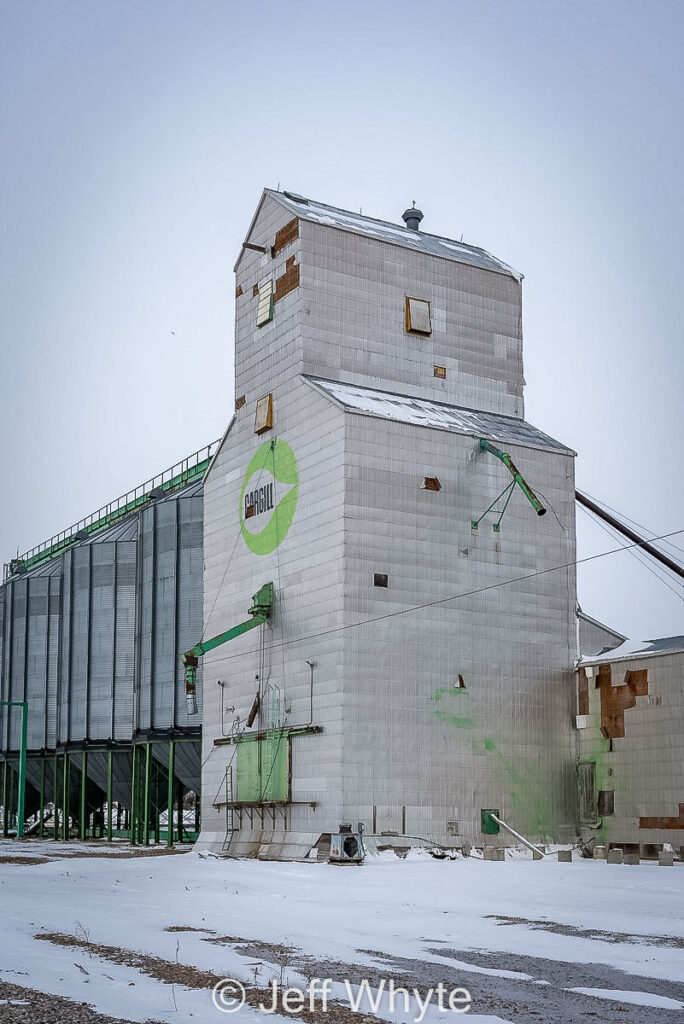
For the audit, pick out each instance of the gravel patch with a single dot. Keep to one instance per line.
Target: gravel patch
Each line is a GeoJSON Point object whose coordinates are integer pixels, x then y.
{"type": "Point", "coordinates": [597, 934]}
{"type": "Point", "coordinates": [20, 1005]}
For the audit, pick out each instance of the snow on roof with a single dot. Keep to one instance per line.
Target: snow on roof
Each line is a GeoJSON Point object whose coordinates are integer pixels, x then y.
{"type": "Point", "coordinates": [426, 413]}
{"type": "Point", "coordinates": [637, 649]}
{"type": "Point", "coordinates": [320, 213]}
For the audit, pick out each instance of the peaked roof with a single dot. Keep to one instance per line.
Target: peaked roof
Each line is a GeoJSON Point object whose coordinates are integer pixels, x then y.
{"type": "Point", "coordinates": [419, 241]}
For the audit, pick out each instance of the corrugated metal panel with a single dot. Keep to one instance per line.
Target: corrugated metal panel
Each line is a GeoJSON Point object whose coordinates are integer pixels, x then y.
{"type": "Point", "coordinates": [190, 597]}
{"type": "Point", "coordinates": [64, 680]}
{"type": "Point", "coordinates": [164, 653]}
{"type": "Point", "coordinates": [76, 652]}
{"type": "Point", "coordinates": [37, 660]}
{"type": "Point", "coordinates": [54, 607]}
{"type": "Point", "coordinates": [146, 620]}
{"type": "Point", "coordinates": [4, 660]}
{"type": "Point", "coordinates": [124, 649]}
{"type": "Point", "coordinates": [80, 646]}
{"type": "Point", "coordinates": [101, 628]}
{"type": "Point", "coordinates": [18, 658]}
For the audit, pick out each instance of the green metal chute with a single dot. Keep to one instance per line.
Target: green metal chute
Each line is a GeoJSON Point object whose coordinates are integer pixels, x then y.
{"type": "Point", "coordinates": [262, 603]}
{"type": "Point", "coordinates": [507, 492]}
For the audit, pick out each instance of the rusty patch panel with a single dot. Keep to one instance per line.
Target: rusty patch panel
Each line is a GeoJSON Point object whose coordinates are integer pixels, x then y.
{"type": "Point", "coordinates": [677, 822]}
{"type": "Point", "coordinates": [287, 234]}
{"type": "Point", "coordinates": [582, 693]}
{"type": "Point", "coordinates": [288, 281]}
{"type": "Point", "coordinates": [615, 700]}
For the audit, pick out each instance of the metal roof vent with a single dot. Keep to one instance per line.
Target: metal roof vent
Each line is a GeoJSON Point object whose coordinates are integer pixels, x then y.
{"type": "Point", "coordinates": [412, 217]}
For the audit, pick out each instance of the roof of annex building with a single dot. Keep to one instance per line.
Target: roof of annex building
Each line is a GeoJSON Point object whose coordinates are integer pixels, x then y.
{"type": "Point", "coordinates": [419, 241]}
{"type": "Point", "coordinates": [637, 649]}
{"type": "Point", "coordinates": [426, 413]}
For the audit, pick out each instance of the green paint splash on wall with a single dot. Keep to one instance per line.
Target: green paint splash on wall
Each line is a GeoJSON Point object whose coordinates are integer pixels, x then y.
{"type": "Point", "coordinates": [456, 720]}
{"type": "Point", "coordinates": [524, 787]}
{"type": "Point", "coordinates": [451, 690]}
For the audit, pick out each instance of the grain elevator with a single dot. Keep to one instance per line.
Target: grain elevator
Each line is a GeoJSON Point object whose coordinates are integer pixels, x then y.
{"type": "Point", "coordinates": [375, 512]}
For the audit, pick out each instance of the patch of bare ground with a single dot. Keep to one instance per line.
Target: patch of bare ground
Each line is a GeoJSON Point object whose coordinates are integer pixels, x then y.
{"type": "Point", "coordinates": [24, 860]}
{"type": "Point", "coordinates": [541, 993]}
{"type": "Point", "coordinates": [188, 928]}
{"type": "Point", "coordinates": [96, 851]}
{"type": "Point", "coordinates": [171, 972]}
{"type": "Point", "coordinates": [596, 934]}
{"type": "Point", "coordinates": [19, 1005]}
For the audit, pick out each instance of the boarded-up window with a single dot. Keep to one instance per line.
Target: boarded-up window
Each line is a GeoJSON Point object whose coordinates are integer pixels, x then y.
{"type": "Point", "coordinates": [586, 791]}
{"type": "Point", "coordinates": [263, 769]}
{"type": "Point", "coordinates": [265, 304]}
{"type": "Point", "coordinates": [263, 418]}
{"type": "Point", "coordinates": [418, 316]}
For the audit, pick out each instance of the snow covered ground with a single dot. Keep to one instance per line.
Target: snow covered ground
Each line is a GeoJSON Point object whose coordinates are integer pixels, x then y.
{"type": "Point", "coordinates": [538, 941]}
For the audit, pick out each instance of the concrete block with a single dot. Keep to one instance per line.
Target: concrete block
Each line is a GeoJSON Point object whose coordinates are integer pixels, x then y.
{"type": "Point", "coordinates": [666, 858]}
{"type": "Point", "coordinates": [565, 856]}
{"type": "Point", "coordinates": [632, 858]}
{"type": "Point", "coordinates": [615, 857]}
{"type": "Point", "coordinates": [599, 853]}
{"type": "Point", "coordinates": [495, 854]}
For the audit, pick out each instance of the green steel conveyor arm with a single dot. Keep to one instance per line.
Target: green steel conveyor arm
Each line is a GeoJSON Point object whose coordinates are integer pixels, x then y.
{"type": "Point", "coordinates": [517, 479]}
{"type": "Point", "coordinates": [260, 612]}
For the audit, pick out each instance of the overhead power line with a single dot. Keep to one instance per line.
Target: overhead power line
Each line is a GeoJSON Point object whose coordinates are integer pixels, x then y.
{"type": "Point", "coordinates": [455, 597]}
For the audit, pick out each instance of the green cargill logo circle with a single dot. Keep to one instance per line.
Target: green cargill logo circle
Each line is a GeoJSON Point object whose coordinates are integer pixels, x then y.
{"type": "Point", "coordinates": [268, 498]}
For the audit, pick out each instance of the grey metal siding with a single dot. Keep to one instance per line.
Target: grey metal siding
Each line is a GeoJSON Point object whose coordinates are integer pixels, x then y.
{"type": "Point", "coordinates": [124, 640]}
{"type": "Point", "coordinates": [113, 612]}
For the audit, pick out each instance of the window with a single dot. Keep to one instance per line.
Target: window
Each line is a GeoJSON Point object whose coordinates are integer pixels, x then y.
{"type": "Point", "coordinates": [431, 483]}
{"type": "Point", "coordinates": [380, 579]}
{"type": "Point", "coordinates": [418, 316]}
{"type": "Point", "coordinates": [263, 419]}
{"type": "Point", "coordinates": [265, 304]}
{"type": "Point", "coordinates": [439, 371]}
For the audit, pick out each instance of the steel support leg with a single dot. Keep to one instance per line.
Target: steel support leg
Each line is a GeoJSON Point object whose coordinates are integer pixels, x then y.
{"type": "Point", "coordinates": [109, 795]}
{"type": "Point", "coordinates": [5, 817]}
{"type": "Point", "coordinates": [132, 816]}
{"type": "Point", "coordinates": [82, 810]}
{"type": "Point", "coordinates": [42, 798]}
{"type": "Point", "coordinates": [146, 809]}
{"type": "Point", "coordinates": [21, 798]}
{"type": "Point", "coordinates": [65, 798]}
{"type": "Point", "coordinates": [169, 795]}
{"type": "Point", "coordinates": [55, 798]}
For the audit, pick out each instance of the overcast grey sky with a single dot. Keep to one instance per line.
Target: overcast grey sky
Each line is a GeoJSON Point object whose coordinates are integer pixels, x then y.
{"type": "Point", "coordinates": [136, 139]}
